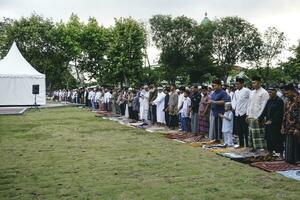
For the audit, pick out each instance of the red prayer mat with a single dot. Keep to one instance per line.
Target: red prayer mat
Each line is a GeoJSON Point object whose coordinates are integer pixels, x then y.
{"type": "Point", "coordinates": [275, 166]}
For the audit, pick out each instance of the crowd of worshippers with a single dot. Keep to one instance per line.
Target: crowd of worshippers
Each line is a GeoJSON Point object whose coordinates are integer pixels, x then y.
{"type": "Point", "coordinates": [265, 120]}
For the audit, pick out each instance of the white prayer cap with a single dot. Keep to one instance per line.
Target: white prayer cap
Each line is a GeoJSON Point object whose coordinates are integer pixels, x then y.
{"type": "Point", "coordinates": [160, 88]}
{"type": "Point", "coordinates": [145, 86]}
{"type": "Point", "coordinates": [130, 89]}
{"type": "Point", "coordinates": [177, 90]}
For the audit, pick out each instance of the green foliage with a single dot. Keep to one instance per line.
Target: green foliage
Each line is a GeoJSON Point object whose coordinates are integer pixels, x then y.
{"type": "Point", "coordinates": [94, 43]}
{"type": "Point", "coordinates": [37, 39]}
{"type": "Point", "coordinates": [173, 37]}
{"type": "Point", "coordinates": [235, 40]}
{"type": "Point", "coordinates": [291, 68]}
{"type": "Point", "coordinates": [109, 55]}
{"type": "Point", "coordinates": [125, 52]}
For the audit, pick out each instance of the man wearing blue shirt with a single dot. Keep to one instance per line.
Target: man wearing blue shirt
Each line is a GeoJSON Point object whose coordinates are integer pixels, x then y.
{"type": "Point", "coordinates": [218, 99]}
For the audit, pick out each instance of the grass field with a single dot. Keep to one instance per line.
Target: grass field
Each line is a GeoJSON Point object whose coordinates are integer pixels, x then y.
{"type": "Point", "coordinates": [68, 153]}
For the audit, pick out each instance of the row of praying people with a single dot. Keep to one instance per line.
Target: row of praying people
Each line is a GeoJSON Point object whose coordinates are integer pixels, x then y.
{"type": "Point", "coordinates": [264, 120]}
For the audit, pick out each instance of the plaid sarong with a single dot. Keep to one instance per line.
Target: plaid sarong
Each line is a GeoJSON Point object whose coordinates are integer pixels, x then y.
{"type": "Point", "coordinates": [203, 125]}
{"type": "Point", "coordinates": [256, 135]}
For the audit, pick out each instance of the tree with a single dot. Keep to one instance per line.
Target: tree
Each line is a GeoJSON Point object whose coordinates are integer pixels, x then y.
{"type": "Point", "coordinates": [126, 51]}
{"type": "Point", "coordinates": [94, 44]}
{"type": "Point", "coordinates": [187, 50]}
{"type": "Point", "coordinates": [36, 38]}
{"type": "Point", "coordinates": [273, 45]}
{"type": "Point", "coordinates": [70, 40]}
{"type": "Point", "coordinates": [291, 68]}
{"type": "Point", "coordinates": [235, 40]}
{"type": "Point", "coordinates": [201, 51]}
{"type": "Point", "coordinates": [173, 37]}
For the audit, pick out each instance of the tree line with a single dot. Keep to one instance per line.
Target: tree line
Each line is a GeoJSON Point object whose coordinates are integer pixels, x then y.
{"type": "Point", "coordinates": [191, 52]}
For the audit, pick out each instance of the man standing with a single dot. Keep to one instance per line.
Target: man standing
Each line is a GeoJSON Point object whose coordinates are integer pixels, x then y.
{"type": "Point", "coordinates": [144, 103]}
{"type": "Point", "coordinates": [152, 107]}
{"type": "Point", "coordinates": [291, 124]}
{"type": "Point", "coordinates": [107, 100]}
{"type": "Point", "coordinates": [273, 114]}
{"type": "Point", "coordinates": [218, 99]}
{"type": "Point", "coordinates": [160, 104]}
{"type": "Point", "coordinates": [180, 101]}
{"type": "Point", "coordinates": [129, 102]}
{"type": "Point", "coordinates": [172, 107]}
{"type": "Point", "coordinates": [240, 102]}
{"type": "Point", "coordinates": [257, 102]}
{"type": "Point", "coordinates": [195, 101]}
{"type": "Point", "coordinates": [167, 116]}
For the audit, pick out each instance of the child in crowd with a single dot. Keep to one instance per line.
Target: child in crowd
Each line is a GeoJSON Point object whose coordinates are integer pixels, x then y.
{"type": "Point", "coordinates": [227, 126]}
{"type": "Point", "coordinates": [185, 112]}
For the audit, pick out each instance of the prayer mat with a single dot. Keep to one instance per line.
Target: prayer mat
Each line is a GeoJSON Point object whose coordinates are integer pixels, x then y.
{"type": "Point", "coordinates": [293, 174]}
{"type": "Point", "coordinates": [246, 157]}
{"type": "Point", "coordinates": [275, 166]}
{"type": "Point", "coordinates": [196, 144]}
{"type": "Point", "coordinates": [177, 136]}
{"type": "Point", "coordinates": [216, 146]}
{"type": "Point", "coordinates": [157, 129]}
{"type": "Point", "coordinates": [195, 139]}
{"type": "Point", "coordinates": [230, 155]}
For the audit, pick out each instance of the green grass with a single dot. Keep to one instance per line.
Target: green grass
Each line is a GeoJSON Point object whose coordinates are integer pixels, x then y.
{"type": "Point", "coordinates": [68, 153]}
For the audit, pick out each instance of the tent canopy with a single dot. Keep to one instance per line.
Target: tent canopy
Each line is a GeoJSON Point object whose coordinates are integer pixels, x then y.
{"type": "Point", "coordinates": [14, 64]}
{"type": "Point", "coordinates": [17, 78]}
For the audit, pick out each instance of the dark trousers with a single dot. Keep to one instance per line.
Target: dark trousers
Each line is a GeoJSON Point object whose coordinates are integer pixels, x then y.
{"type": "Point", "coordinates": [173, 121]}
{"type": "Point", "coordinates": [242, 130]}
{"type": "Point", "coordinates": [123, 108]}
{"type": "Point", "coordinates": [218, 128]}
{"type": "Point", "coordinates": [167, 118]}
{"type": "Point", "coordinates": [130, 111]}
{"type": "Point", "coordinates": [274, 138]}
{"type": "Point", "coordinates": [135, 115]}
{"type": "Point", "coordinates": [292, 149]}
{"type": "Point", "coordinates": [153, 113]}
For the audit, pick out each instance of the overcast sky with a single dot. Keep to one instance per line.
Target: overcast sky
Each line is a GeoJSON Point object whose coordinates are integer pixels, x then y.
{"type": "Point", "coordinates": [283, 14]}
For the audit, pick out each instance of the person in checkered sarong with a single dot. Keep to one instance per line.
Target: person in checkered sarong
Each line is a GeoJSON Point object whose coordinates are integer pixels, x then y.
{"type": "Point", "coordinates": [257, 102]}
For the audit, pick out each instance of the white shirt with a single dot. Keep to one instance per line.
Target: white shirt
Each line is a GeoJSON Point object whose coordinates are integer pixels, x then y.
{"type": "Point", "coordinates": [97, 96]}
{"type": "Point", "coordinates": [91, 93]}
{"type": "Point", "coordinates": [240, 101]}
{"type": "Point", "coordinates": [107, 97]}
{"type": "Point", "coordinates": [186, 107]}
{"type": "Point", "coordinates": [257, 102]}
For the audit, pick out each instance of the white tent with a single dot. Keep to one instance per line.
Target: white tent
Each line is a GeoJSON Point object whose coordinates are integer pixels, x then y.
{"type": "Point", "coordinates": [16, 79]}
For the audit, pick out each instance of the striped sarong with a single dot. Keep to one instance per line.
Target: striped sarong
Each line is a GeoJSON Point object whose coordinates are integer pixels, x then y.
{"type": "Point", "coordinates": [256, 135]}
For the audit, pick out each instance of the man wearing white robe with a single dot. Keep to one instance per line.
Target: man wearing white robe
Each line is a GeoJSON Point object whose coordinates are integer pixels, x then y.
{"type": "Point", "coordinates": [144, 103]}
{"type": "Point", "coordinates": [160, 105]}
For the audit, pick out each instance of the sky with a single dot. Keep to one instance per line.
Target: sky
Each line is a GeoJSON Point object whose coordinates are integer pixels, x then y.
{"type": "Point", "coordinates": [282, 14]}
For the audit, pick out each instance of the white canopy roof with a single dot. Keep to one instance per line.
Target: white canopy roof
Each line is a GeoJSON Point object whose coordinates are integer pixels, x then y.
{"type": "Point", "coordinates": [14, 64]}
